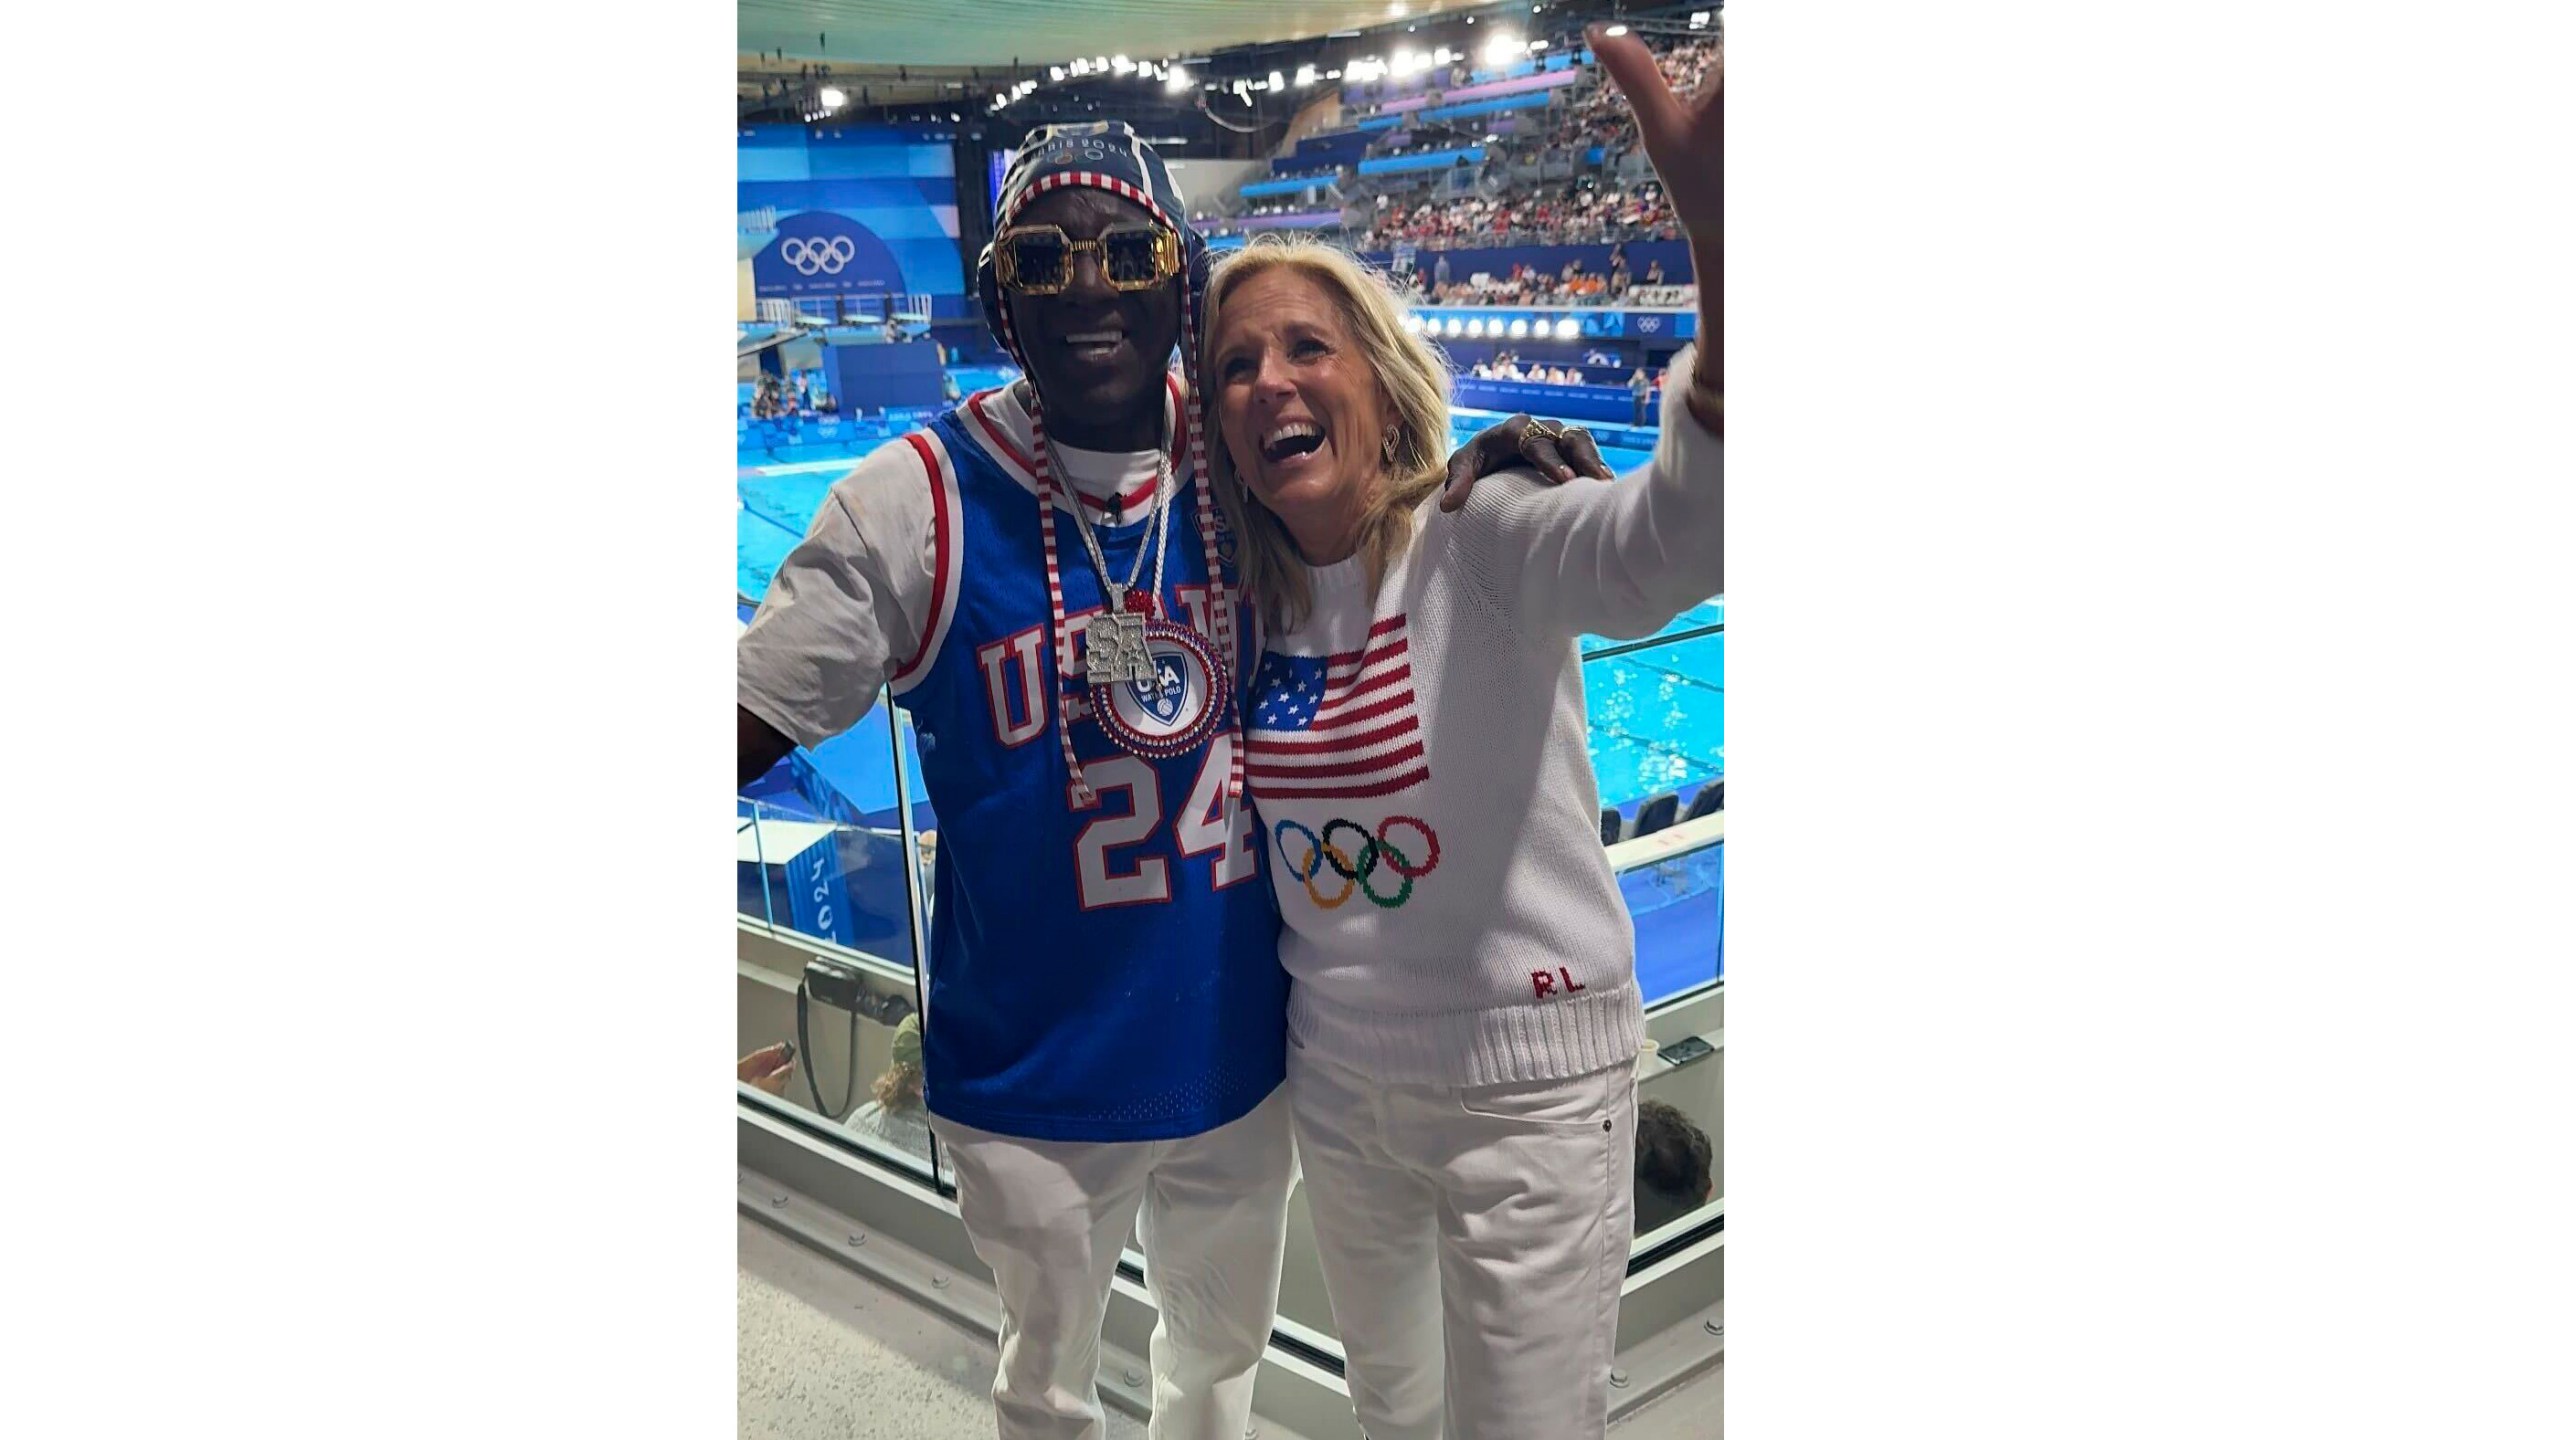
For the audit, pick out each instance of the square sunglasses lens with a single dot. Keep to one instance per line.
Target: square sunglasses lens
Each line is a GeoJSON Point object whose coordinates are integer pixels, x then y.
{"type": "Point", "coordinates": [1131, 255]}
{"type": "Point", "coordinates": [1039, 261]}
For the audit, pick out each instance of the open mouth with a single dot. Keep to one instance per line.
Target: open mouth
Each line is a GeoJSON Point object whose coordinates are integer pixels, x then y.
{"type": "Point", "coordinates": [1291, 442]}
{"type": "Point", "coordinates": [1096, 344]}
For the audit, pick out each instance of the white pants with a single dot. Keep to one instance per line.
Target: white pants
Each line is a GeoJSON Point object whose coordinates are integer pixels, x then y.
{"type": "Point", "coordinates": [1474, 1242]}
{"type": "Point", "coordinates": [1050, 1219]}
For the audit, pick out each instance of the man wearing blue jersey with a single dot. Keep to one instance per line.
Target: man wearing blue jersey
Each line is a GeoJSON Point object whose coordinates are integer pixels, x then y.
{"type": "Point", "coordinates": [1039, 580]}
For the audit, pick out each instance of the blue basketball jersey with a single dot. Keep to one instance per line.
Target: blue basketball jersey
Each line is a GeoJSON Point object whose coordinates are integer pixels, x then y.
{"type": "Point", "coordinates": [1104, 974]}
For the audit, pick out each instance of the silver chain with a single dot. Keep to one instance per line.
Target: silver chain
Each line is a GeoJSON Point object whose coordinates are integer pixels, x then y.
{"type": "Point", "coordinates": [1155, 532]}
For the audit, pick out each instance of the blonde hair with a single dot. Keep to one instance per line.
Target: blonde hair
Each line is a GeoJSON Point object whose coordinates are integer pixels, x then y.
{"type": "Point", "coordinates": [900, 1087]}
{"type": "Point", "coordinates": [1415, 377]}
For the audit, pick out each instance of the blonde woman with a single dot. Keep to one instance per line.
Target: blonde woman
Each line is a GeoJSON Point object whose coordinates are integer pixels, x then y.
{"type": "Point", "coordinates": [1464, 1018]}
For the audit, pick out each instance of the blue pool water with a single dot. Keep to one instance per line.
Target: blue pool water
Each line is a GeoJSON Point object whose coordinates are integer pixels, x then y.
{"type": "Point", "coordinates": [1656, 714]}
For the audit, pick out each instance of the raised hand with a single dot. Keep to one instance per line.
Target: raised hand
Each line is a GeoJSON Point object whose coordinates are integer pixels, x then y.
{"type": "Point", "coordinates": [1684, 137]}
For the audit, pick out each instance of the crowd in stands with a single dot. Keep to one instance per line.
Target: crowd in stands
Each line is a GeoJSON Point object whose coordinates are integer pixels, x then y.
{"type": "Point", "coordinates": [1296, 204]}
{"type": "Point", "coordinates": [1584, 212]}
{"type": "Point", "coordinates": [1527, 285]}
{"type": "Point", "coordinates": [1600, 116]}
{"type": "Point", "coordinates": [1506, 366]}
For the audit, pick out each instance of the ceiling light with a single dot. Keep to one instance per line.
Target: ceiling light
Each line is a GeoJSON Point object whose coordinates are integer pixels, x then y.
{"type": "Point", "coordinates": [1177, 80]}
{"type": "Point", "coordinates": [831, 97]}
{"type": "Point", "coordinates": [1276, 82]}
{"type": "Point", "coordinates": [1306, 76]}
{"type": "Point", "coordinates": [1615, 30]}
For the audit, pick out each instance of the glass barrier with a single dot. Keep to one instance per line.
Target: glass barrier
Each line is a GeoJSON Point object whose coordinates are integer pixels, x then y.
{"type": "Point", "coordinates": [825, 867]}
{"type": "Point", "coordinates": [1656, 709]}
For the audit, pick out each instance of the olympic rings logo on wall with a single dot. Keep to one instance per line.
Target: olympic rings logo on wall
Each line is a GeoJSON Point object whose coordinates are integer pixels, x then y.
{"type": "Point", "coordinates": [1358, 871]}
{"type": "Point", "coordinates": [818, 257]}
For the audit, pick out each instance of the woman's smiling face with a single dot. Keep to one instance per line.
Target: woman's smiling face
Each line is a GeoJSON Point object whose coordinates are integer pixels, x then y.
{"type": "Point", "coordinates": [1300, 409]}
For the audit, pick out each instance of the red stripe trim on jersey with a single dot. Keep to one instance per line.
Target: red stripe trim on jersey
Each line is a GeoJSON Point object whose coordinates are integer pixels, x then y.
{"type": "Point", "coordinates": [1132, 500]}
{"type": "Point", "coordinates": [941, 558]}
{"type": "Point", "coordinates": [1129, 501]}
{"type": "Point", "coordinates": [994, 434]}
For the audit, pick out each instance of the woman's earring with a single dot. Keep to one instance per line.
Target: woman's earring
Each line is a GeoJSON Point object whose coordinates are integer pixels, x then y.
{"type": "Point", "coordinates": [1387, 446]}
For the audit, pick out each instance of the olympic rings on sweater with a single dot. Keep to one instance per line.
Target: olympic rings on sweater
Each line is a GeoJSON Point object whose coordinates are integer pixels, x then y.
{"type": "Point", "coordinates": [1357, 871]}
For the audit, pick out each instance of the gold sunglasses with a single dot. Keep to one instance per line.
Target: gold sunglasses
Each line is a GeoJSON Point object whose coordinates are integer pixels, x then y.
{"type": "Point", "coordinates": [1040, 259]}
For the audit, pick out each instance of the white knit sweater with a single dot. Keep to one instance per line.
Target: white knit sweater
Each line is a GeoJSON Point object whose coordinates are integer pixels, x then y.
{"type": "Point", "coordinates": [1464, 928]}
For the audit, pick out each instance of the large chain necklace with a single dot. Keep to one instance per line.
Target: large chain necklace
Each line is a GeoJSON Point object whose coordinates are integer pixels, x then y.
{"type": "Point", "coordinates": [1116, 640]}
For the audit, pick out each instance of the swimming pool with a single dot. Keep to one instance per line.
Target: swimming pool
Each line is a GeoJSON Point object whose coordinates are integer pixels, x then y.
{"type": "Point", "coordinates": [1656, 707]}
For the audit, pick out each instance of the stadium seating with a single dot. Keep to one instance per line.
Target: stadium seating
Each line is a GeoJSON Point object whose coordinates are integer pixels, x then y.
{"type": "Point", "coordinates": [1708, 801]}
{"type": "Point", "coordinates": [1658, 814]}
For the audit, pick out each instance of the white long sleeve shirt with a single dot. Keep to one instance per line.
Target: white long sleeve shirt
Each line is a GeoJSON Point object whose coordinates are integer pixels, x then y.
{"type": "Point", "coordinates": [1421, 770]}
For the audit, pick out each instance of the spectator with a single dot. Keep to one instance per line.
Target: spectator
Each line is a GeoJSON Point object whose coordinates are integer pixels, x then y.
{"type": "Point", "coordinates": [1675, 1165]}
{"type": "Point", "coordinates": [895, 1112]}
{"type": "Point", "coordinates": [1638, 385]}
{"type": "Point", "coordinates": [1653, 273]}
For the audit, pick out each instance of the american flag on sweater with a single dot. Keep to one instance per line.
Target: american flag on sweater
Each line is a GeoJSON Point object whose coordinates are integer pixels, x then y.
{"type": "Point", "coordinates": [1336, 727]}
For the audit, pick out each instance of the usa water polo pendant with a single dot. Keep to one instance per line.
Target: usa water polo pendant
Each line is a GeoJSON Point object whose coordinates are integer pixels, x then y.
{"type": "Point", "coordinates": [1175, 709]}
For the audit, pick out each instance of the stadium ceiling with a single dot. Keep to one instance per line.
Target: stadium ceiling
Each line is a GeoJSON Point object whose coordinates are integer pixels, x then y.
{"type": "Point", "coordinates": [859, 34]}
